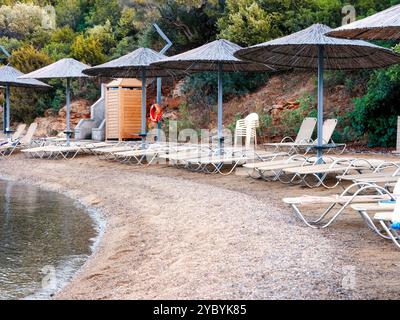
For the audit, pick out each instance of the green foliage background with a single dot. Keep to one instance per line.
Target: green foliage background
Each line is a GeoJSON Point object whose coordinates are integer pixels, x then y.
{"type": "Point", "coordinates": [95, 31]}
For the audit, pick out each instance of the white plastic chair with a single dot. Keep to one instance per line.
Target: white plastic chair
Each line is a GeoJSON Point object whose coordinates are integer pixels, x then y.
{"type": "Point", "coordinates": [247, 128]}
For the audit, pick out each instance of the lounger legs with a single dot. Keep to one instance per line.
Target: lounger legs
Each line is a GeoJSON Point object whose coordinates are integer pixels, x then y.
{"type": "Point", "coordinates": [393, 235]}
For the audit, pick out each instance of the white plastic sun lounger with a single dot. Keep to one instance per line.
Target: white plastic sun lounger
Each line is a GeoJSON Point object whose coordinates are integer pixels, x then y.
{"type": "Point", "coordinates": [91, 147]}
{"type": "Point", "coordinates": [387, 172]}
{"type": "Point", "coordinates": [387, 220]}
{"type": "Point", "coordinates": [9, 148]}
{"type": "Point", "coordinates": [17, 134]}
{"type": "Point", "coordinates": [355, 196]}
{"type": "Point", "coordinates": [304, 136]}
{"type": "Point", "coordinates": [274, 170]}
{"type": "Point", "coordinates": [53, 152]}
{"type": "Point", "coordinates": [107, 153]}
{"type": "Point", "coordinates": [328, 129]}
{"type": "Point", "coordinates": [216, 163]}
{"type": "Point", "coordinates": [315, 175]}
{"type": "Point", "coordinates": [140, 156]}
{"type": "Point", "coordinates": [386, 213]}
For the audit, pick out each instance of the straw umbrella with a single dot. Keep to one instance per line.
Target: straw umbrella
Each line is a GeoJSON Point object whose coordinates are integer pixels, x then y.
{"type": "Point", "coordinates": [133, 65]}
{"type": "Point", "coordinates": [384, 25]}
{"type": "Point", "coordinates": [67, 68]}
{"type": "Point", "coordinates": [214, 56]}
{"type": "Point", "coordinates": [9, 78]}
{"type": "Point", "coordinates": [312, 49]}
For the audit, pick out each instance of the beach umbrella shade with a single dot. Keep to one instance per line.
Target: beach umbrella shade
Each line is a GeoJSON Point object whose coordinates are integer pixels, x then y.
{"type": "Point", "coordinates": [9, 77]}
{"type": "Point", "coordinates": [214, 56]}
{"type": "Point", "coordinates": [137, 64]}
{"type": "Point", "coordinates": [312, 49]}
{"type": "Point", "coordinates": [384, 25]}
{"type": "Point", "coordinates": [68, 69]}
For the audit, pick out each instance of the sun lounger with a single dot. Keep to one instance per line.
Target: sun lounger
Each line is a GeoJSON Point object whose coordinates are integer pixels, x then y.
{"type": "Point", "coordinates": [304, 136]}
{"type": "Point", "coordinates": [91, 147]}
{"type": "Point", "coordinates": [386, 213]}
{"type": "Point", "coordinates": [107, 153]}
{"type": "Point", "coordinates": [328, 144]}
{"type": "Point", "coordinates": [53, 152]}
{"type": "Point", "coordinates": [273, 170]}
{"type": "Point", "coordinates": [146, 153]}
{"type": "Point", "coordinates": [356, 194]}
{"type": "Point", "coordinates": [216, 163]}
{"type": "Point", "coordinates": [316, 175]}
{"type": "Point", "coordinates": [386, 219]}
{"type": "Point", "coordinates": [17, 134]}
{"type": "Point", "coordinates": [9, 148]}
{"type": "Point", "coordinates": [140, 156]}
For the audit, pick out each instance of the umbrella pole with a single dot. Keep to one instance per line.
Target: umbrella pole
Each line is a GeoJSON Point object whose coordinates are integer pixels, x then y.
{"type": "Point", "coordinates": [320, 142]}
{"type": "Point", "coordinates": [159, 85]}
{"type": "Point", "coordinates": [220, 93]}
{"type": "Point", "coordinates": [143, 133]}
{"type": "Point", "coordinates": [7, 118]}
{"type": "Point", "coordinates": [68, 98]}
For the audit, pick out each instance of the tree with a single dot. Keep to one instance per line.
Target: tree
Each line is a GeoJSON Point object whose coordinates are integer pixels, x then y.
{"type": "Point", "coordinates": [247, 23]}
{"type": "Point", "coordinates": [27, 59]}
{"type": "Point", "coordinates": [102, 10]}
{"type": "Point", "coordinates": [127, 23]}
{"type": "Point", "coordinates": [88, 50]}
{"type": "Point", "coordinates": [60, 44]}
{"type": "Point", "coordinates": [69, 13]}
{"type": "Point", "coordinates": [187, 25]}
{"type": "Point", "coordinates": [21, 20]}
{"type": "Point", "coordinates": [105, 35]}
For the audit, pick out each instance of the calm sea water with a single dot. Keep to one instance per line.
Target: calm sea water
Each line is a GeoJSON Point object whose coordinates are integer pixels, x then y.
{"type": "Point", "coordinates": [44, 239]}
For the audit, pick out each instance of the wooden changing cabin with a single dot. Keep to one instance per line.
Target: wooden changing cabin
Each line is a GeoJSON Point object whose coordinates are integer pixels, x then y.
{"type": "Point", "coordinates": [123, 109]}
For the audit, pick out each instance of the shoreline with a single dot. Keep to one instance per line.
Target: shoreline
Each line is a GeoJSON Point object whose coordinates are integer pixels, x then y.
{"type": "Point", "coordinates": [98, 220]}
{"type": "Point", "coordinates": [172, 234]}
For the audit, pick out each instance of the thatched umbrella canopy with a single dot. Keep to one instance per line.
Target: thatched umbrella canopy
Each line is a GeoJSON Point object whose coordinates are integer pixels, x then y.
{"type": "Point", "coordinates": [214, 56]}
{"type": "Point", "coordinates": [9, 78]}
{"type": "Point", "coordinates": [67, 68]}
{"type": "Point", "coordinates": [137, 64]}
{"type": "Point", "coordinates": [312, 49]}
{"type": "Point", "coordinates": [384, 25]}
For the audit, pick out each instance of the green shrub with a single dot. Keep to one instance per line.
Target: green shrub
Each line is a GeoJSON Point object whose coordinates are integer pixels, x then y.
{"type": "Point", "coordinates": [265, 125]}
{"type": "Point", "coordinates": [375, 114]}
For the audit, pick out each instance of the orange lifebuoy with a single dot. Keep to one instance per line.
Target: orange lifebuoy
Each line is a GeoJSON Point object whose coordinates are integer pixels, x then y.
{"type": "Point", "coordinates": [155, 113]}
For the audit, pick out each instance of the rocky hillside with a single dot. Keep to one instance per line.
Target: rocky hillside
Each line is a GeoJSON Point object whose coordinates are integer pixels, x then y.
{"type": "Point", "coordinates": [281, 94]}
{"type": "Point", "coordinates": [53, 123]}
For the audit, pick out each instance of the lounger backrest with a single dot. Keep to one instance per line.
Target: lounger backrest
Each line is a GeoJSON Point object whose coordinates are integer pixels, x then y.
{"type": "Point", "coordinates": [20, 129]}
{"type": "Point", "coordinates": [27, 138]}
{"type": "Point", "coordinates": [328, 130]}
{"type": "Point", "coordinates": [306, 130]}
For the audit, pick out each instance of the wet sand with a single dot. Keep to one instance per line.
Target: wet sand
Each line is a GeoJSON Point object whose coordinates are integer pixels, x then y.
{"type": "Point", "coordinates": [173, 234]}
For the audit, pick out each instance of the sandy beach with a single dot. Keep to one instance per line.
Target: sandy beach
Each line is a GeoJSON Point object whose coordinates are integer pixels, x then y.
{"type": "Point", "coordinates": [173, 234]}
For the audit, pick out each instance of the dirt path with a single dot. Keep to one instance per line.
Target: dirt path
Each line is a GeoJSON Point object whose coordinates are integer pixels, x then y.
{"type": "Point", "coordinates": [176, 235]}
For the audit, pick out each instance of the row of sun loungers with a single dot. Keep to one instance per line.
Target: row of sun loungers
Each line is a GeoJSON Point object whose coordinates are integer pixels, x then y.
{"type": "Point", "coordinates": [289, 162]}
